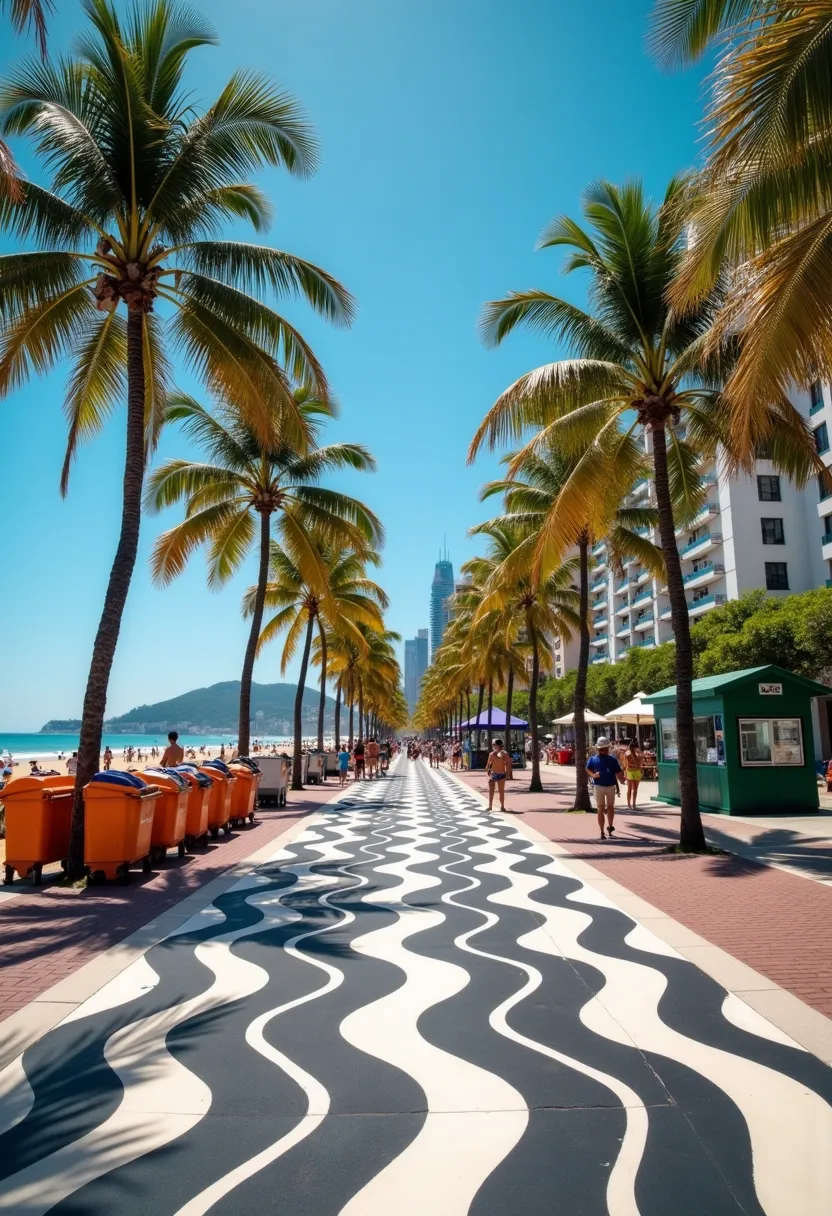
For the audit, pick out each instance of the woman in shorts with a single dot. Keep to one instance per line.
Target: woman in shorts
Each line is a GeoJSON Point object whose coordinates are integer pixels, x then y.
{"type": "Point", "coordinates": [631, 763]}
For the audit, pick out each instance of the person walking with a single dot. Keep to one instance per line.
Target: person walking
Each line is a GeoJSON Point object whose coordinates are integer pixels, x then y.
{"type": "Point", "coordinates": [72, 765]}
{"type": "Point", "coordinates": [343, 764]}
{"type": "Point", "coordinates": [632, 763]}
{"type": "Point", "coordinates": [497, 768]}
{"type": "Point", "coordinates": [372, 752]}
{"type": "Point", "coordinates": [358, 759]}
{"type": "Point", "coordinates": [604, 770]}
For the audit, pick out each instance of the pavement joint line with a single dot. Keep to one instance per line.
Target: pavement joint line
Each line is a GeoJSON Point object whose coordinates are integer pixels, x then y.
{"type": "Point", "coordinates": [809, 1028]}
{"type": "Point", "coordinates": [26, 1025]}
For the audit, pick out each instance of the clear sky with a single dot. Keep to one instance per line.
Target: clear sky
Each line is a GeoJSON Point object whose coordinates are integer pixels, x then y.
{"type": "Point", "coordinates": [451, 132]}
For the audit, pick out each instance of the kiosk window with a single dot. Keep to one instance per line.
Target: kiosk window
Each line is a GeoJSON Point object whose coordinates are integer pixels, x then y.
{"type": "Point", "coordinates": [670, 745]}
{"type": "Point", "coordinates": [705, 740]}
{"type": "Point", "coordinates": [771, 741]}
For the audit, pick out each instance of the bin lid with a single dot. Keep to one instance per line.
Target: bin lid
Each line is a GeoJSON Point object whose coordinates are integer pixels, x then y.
{"type": "Point", "coordinates": [116, 777]}
{"type": "Point", "coordinates": [247, 762]}
{"type": "Point", "coordinates": [33, 782]}
{"type": "Point", "coordinates": [172, 775]}
{"type": "Point", "coordinates": [193, 772]}
{"type": "Point", "coordinates": [219, 765]}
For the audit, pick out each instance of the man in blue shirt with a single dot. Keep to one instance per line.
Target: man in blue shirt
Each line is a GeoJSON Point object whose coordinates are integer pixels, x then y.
{"type": "Point", "coordinates": [604, 768]}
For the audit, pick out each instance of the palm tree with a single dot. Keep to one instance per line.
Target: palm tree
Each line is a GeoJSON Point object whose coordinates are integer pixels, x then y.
{"type": "Point", "coordinates": [544, 494]}
{"type": "Point", "coordinates": [351, 589]}
{"type": "Point", "coordinates": [634, 357]}
{"type": "Point", "coordinates": [248, 481]}
{"type": "Point", "coordinates": [761, 207]}
{"type": "Point", "coordinates": [346, 608]}
{"type": "Point", "coordinates": [544, 606]}
{"type": "Point", "coordinates": [142, 184]}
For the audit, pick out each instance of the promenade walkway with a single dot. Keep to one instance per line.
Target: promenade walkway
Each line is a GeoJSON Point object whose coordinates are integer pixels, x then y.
{"type": "Point", "coordinates": [402, 1004]}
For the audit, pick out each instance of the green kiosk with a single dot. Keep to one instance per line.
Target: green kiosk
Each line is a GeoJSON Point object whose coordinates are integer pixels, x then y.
{"type": "Point", "coordinates": [754, 750]}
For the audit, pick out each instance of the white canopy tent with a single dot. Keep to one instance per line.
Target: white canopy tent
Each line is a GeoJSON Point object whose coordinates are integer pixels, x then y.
{"type": "Point", "coordinates": [636, 712]}
{"type": "Point", "coordinates": [589, 717]}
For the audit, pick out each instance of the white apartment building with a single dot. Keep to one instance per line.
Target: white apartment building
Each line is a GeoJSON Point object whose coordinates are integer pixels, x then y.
{"type": "Point", "coordinates": [753, 532]}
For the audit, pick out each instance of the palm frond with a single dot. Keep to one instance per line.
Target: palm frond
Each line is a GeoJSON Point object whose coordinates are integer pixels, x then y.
{"type": "Point", "coordinates": [97, 384]}
{"type": "Point", "coordinates": [228, 544]}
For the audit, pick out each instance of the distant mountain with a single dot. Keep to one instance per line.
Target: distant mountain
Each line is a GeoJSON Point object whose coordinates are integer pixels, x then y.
{"type": "Point", "coordinates": [215, 710]}
{"type": "Point", "coordinates": [61, 726]}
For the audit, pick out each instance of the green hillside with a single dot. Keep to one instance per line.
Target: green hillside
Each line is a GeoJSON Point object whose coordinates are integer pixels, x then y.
{"type": "Point", "coordinates": [216, 708]}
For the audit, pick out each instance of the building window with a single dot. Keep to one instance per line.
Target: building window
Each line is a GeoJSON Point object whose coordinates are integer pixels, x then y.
{"type": "Point", "coordinates": [816, 394]}
{"type": "Point", "coordinates": [768, 487]}
{"type": "Point", "coordinates": [822, 438]}
{"type": "Point", "coordinates": [777, 577]}
{"type": "Point", "coordinates": [773, 532]}
{"type": "Point", "coordinates": [824, 485]}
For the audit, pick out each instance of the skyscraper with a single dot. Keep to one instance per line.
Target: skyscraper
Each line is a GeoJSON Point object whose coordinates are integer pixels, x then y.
{"type": "Point", "coordinates": [415, 666]}
{"type": "Point", "coordinates": [440, 592]}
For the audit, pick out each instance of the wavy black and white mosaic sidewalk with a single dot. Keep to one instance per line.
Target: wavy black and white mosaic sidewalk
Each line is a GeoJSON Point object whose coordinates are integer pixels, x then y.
{"type": "Point", "coordinates": [412, 1009]}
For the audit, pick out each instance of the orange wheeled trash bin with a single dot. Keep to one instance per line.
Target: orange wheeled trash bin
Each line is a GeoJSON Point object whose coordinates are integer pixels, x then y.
{"type": "Point", "coordinates": [219, 802]}
{"type": "Point", "coordinates": [38, 815]}
{"type": "Point", "coordinates": [244, 796]}
{"type": "Point", "coordinates": [171, 812]}
{"type": "Point", "coordinates": [199, 795]}
{"type": "Point", "coordinates": [119, 809]}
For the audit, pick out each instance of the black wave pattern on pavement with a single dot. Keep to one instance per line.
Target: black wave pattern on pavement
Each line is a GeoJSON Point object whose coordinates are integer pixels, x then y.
{"type": "Point", "coordinates": [702, 1124]}
{"type": "Point", "coordinates": [412, 1007]}
{"type": "Point", "coordinates": [76, 1091]}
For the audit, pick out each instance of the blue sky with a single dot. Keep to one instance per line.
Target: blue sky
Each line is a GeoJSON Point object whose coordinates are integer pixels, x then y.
{"type": "Point", "coordinates": [451, 131]}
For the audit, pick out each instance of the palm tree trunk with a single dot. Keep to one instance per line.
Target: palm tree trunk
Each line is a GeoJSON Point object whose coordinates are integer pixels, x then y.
{"type": "Point", "coordinates": [535, 785]}
{"type": "Point", "coordinates": [691, 835]}
{"type": "Point", "coordinates": [121, 573]}
{"type": "Point", "coordinates": [322, 702]}
{"type": "Point", "coordinates": [352, 735]}
{"type": "Point", "coordinates": [244, 725]}
{"type": "Point", "coordinates": [360, 710]}
{"type": "Point", "coordinates": [480, 693]}
{"type": "Point", "coordinates": [338, 717]}
{"type": "Point", "coordinates": [509, 698]}
{"type": "Point", "coordinates": [297, 758]}
{"type": "Point", "coordinates": [490, 709]}
{"type": "Point", "coordinates": [582, 799]}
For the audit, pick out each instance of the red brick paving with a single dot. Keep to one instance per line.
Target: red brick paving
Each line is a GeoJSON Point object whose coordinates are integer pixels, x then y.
{"type": "Point", "coordinates": [47, 933]}
{"type": "Point", "coordinates": [771, 920]}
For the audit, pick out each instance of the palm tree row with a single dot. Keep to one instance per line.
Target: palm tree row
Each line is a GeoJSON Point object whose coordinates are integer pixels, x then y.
{"type": "Point", "coordinates": [643, 391]}
{"type": "Point", "coordinates": [126, 267]}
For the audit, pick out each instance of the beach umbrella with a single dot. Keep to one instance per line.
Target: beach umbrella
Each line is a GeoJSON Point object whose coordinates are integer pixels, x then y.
{"type": "Point", "coordinates": [589, 717]}
{"type": "Point", "coordinates": [634, 712]}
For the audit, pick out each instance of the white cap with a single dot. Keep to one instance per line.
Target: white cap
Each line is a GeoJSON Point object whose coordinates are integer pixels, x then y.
{"type": "Point", "coordinates": [602, 742]}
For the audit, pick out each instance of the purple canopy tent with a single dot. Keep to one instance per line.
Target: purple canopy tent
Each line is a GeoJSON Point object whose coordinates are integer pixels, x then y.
{"type": "Point", "coordinates": [498, 726]}
{"type": "Point", "coordinates": [498, 721]}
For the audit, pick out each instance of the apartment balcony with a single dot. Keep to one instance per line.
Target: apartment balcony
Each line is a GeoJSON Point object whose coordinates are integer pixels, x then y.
{"type": "Point", "coordinates": [599, 658]}
{"type": "Point", "coordinates": [600, 585]}
{"type": "Point", "coordinates": [641, 487]}
{"type": "Point", "coordinates": [816, 408]}
{"type": "Point", "coordinates": [624, 631]}
{"type": "Point", "coordinates": [704, 574]}
{"type": "Point", "coordinates": [643, 578]}
{"type": "Point", "coordinates": [644, 644]}
{"type": "Point", "coordinates": [666, 614]}
{"type": "Point", "coordinates": [599, 548]}
{"type": "Point", "coordinates": [826, 541]}
{"type": "Point", "coordinates": [704, 604]}
{"type": "Point", "coordinates": [825, 505]}
{"type": "Point", "coordinates": [643, 622]}
{"type": "Point", "coordinates": [601, 564]}
{"type": "Point", "coordinates": [622, 586]}
{"type": "Point", "coordinates": [709, 511]}
{"type": "Point", "coordinates": [643, 597]}
{"type": "Point", "coordinates": [624, 610]}
{"type": "Point", "coordinates": [599, 640]}
{"type": "Point", "coordinates": [702, 545]}
{"type": "Point", "coordinates": [628, 561]}
{"type": "Point", "coordinates": [601, 623]}
{"type": "Point", "coordinates": [709, 480]}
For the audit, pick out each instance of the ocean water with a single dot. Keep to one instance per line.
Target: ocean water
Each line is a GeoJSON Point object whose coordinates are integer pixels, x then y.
{"type": "Point", "coordinates": [40, 747]}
